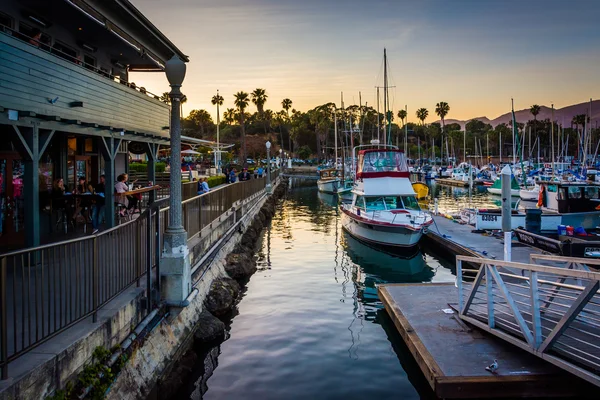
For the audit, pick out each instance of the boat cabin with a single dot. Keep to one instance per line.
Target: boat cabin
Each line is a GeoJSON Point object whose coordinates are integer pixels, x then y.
{"type": "Point", "coordinates": [378, 163]}
{"type": "Point", "coordinates": [570, 197]}
{"type": "Point", "coordinates": [328, 174]}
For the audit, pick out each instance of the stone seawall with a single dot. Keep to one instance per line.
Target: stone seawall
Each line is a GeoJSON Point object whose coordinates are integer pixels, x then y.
{"type": "Point", "coordinates": [164, 356]}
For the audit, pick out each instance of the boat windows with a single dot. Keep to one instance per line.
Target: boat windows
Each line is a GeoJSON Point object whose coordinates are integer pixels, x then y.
{"type": "Point", "coordinates": [382, 161]}
{"type": "Point", "coordinates": [411, 203]}
{"type": "Point", "coordinates": [552, 188]}
{"type": "Point", "coordinates": [374, 204]}
{"type": "Point", "coordinates": [574, 192]}
{"type": "Point", "coordinates": [591, 192]}
{"type": "Point", "coordinates": [360, 202]}
{"type": "Point", "coordinates": [6, 21]}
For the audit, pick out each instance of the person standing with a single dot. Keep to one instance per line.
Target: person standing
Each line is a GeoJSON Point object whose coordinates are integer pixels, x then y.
{"type": "Point", "coordinates": [232, 176]}
{"type": "Point", "coordinates": [98, 206]}
{"type": "Point", "coordinates": [260, 172]}
{"type": "Point", "coordinates": [244, 175]}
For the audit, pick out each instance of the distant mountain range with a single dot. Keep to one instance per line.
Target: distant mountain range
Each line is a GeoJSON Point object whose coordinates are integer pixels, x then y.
{"type": "Point", "coordinates": [565, 114]}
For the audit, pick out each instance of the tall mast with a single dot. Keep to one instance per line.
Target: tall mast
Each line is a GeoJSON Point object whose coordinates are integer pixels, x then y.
{"type": "Point", "coordinates": [552, 135]}
{"type": "Point", "coordinates": [385, 105]}
{"type": "Point", "coordinates": [218, 151]}
{"type": "Point", "coordinates": [406, 131]}
{"type": "Point", "coordinates": [335, 139]}
{"type": "Point", "coordinates": [378, 122]}
{"type": "Point", "coordinates": [360, 132]}
{"type": "Point", "coordinates": [514, 125]}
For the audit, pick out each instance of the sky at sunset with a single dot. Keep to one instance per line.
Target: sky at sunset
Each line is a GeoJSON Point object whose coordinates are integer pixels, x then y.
{"type": "Point", "coordinates": [473, 54]}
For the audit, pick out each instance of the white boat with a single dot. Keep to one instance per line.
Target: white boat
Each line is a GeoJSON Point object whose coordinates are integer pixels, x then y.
{"type": "Point", "coordinates": [384, 208]}
{"type": "Point", "coordinates": [530, 194]}
{"type": "Point", "coordinates": [329, 181]}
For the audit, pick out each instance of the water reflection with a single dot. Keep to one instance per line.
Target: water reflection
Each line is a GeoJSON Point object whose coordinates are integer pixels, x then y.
{"type": "Point", "coordinates": [452, 199]}
{"type": "Point", "coordinates": [308, 326]}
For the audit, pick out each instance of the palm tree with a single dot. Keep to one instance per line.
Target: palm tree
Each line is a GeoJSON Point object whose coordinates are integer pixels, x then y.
{"type": "Point", "coordinates": [286, 104]}
{"type": "Point", "coordinates": [229, 116]}
{"type": "Point", "coordinates": [217, 100]}
{"type": "Point", "coordinates": [259, 98]}
{"type": "Point", "coordinates": [441, 109]}
{"type": "Point", "coordinates": [401, 115]}
{"type": "Point", "coordinates": [241, 102]}
{"type": "Point", "coordinates": [422, 114]}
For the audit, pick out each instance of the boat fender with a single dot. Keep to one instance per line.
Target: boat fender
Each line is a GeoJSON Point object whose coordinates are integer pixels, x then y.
{"type": "Point", "coordinates": [540, 202]}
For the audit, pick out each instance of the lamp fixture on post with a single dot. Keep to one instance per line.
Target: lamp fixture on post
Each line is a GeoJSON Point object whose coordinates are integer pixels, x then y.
{"type": "Point", "coordinates": [268, 187]}
{"type": "Point", "coordinates": [175, 263]}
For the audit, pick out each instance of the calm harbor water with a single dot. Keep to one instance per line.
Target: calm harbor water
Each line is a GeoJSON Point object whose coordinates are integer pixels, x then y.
{"type": "Point", "coordinates": [310, 324]}
{"type": "Point", "coordinates": [452, 199]}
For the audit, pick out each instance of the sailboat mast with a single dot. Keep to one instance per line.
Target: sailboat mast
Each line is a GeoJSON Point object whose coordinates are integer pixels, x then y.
{"type": "Point", "coordinates": [360, 132]}
{"type": "Point", "coordinates": [335, 140]}
{"type": "Point", "coordinates": [514, 124]}
{"type": "Point", "coordinates": [385, 105]}
{"type": "Point", "coordinates": [406, 131]}
{"type": "Point", "coordinates": [552, 135]}
{"type": "Point", "coordinates": [378, 122]}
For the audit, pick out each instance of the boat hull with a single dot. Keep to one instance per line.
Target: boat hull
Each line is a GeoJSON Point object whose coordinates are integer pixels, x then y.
{"type": "Point", "coordinates": [396, 236]}
{"type": "Point", "coordinates": [498, 192]}
{"type": "Point", "coordinates": [328, 186]}
{"type": "Point", "coordinates": [530, 195]}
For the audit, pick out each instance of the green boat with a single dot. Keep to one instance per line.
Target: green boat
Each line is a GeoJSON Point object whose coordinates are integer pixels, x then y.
{"type": "Point", "coordinates": [496, 188]}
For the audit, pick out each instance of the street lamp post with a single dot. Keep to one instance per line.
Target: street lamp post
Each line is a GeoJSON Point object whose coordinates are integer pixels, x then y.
{"type": "Point", "coordinates": [268, 187]}
{"type": "Point", "coordinates": [175, 263]}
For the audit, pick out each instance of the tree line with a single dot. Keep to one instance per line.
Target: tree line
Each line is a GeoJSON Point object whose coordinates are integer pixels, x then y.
{"type": "Point", "coordinates": [311, 133]}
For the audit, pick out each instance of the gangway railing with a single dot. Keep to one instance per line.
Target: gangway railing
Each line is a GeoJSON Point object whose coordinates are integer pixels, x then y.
{"type": "Point", "coordinates": [551, 312]}
{"type": "Point", "coordinates": [582, 264]}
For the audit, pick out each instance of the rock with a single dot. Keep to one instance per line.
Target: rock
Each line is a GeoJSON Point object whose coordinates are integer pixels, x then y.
{"type": "Point", "coordinates": [210, 328]}
{"type": "Point", "coordinates": [250, 237]}
{"type": "Point", "coordinates": [178, 375]}
{"type": "Point", "coordinates": [240, 265]}
{"type": "Point", "coordinates": [221, 296]}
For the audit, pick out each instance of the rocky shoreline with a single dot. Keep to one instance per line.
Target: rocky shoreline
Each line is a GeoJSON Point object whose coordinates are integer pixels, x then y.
{"type": "Point", "coordinates": [224, 293]}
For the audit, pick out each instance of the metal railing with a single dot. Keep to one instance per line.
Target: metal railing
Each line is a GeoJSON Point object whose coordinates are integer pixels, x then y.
{"type": "Point", "coordinates": [553, 313]}
{"type": "Point", "coordinates": [47, 289]}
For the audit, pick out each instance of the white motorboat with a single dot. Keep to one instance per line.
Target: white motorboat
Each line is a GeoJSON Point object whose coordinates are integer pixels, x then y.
{"type": "Point", "coordinates": [531, 194]}
{"type": "Point", "coordinates": [384, 208]}
{"type": "Point", "coordinates": [329, 181]}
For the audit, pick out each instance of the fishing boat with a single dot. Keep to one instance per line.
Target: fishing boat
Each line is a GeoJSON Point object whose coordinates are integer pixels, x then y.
{"type": "Point", "coordinates": [329, 180]}
{"type": "Point", "coordinates": [384, 208]}
{"type": "Point", "coordinates": [496, 188]}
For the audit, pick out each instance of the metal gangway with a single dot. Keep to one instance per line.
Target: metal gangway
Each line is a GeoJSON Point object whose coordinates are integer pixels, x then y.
{"type": "Point", "coordinates": [549, 307]}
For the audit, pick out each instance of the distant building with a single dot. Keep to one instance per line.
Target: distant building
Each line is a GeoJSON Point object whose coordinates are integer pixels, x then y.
{"type": "Point", "coordinates": [67, 106]}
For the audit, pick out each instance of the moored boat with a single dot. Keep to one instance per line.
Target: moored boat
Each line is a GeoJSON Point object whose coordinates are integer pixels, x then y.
{"type": "Point", "coordinates": [329, 181]}
{"type": "Point", "coordinates": [496, 187]}
{"type": "Point", "coordinates": [384, 208]}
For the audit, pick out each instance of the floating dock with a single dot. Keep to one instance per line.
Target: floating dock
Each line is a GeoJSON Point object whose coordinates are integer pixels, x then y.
{"type": "Point", "coordinates": [451, 182]}
{"type": "Point", "coordinates": [453, 356]}
{"type": "Point", "coordinates": [454, 238]}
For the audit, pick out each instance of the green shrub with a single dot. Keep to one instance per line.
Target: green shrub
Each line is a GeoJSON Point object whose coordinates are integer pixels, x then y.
{"type": "Point", "coordinates": [143, 167]}
{"type": "Point", "coordinates": [215, 181]}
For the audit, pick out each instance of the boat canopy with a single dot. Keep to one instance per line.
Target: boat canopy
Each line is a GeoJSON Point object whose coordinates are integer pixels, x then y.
{"type": "Point", "coordinates": [379, 163]}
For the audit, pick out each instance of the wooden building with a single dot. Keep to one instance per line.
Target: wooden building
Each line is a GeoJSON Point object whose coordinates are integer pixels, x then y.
{"type": "Point", "coordinates": [67, 107]}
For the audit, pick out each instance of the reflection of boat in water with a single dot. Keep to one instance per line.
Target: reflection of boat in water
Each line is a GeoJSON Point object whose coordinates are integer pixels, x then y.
{"type": "Point", "coordinates": [328, 199]}
{"type": "Point", "coordinates": [387, 264]}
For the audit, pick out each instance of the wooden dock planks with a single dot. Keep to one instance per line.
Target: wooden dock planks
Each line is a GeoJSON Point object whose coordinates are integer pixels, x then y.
{"type": "Point", "coordinates": [453, 357]}
{"type": "Point", "coordinates": [451, 182]}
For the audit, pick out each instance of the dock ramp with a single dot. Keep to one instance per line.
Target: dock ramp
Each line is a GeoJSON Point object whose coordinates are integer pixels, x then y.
{"type": "Point", "coordinates": [549, 307]}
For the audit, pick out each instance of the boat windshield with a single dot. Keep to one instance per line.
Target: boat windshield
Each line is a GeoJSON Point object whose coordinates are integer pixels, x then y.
{"type": "Point", "coordinates": [382, 161]}
{"type": "Point", "coordinates": [391, 203]}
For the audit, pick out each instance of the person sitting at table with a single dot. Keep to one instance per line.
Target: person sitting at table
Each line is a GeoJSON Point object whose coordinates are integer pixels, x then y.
{"type": "Point", "coordinates": [133, 199]}
{"type": "Point", "coordinates": [121, 187]}
{"type": "Point", "coordinates": [82, 203]}
{"type": "Point", "coordinates": [99, 203]}
{"type": "Point", "coordinates": [59, 202]}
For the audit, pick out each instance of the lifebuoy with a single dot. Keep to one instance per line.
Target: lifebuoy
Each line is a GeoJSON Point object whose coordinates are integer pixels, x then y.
{"type": "Point", "coordinates": [540, 202]}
